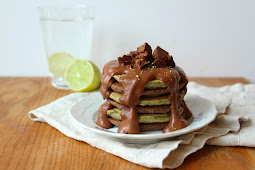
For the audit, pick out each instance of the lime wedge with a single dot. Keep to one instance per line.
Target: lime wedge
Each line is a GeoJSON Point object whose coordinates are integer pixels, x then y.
{"type": "Point", "coordinates": [58, 63]}
{"type": "Point", "coordinates": [82, 75]}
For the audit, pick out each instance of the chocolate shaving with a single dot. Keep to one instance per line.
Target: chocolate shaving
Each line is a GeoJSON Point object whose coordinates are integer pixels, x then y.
{"type": "Point", "coordinates": [161, 54]}
{"type": "Point", "coordinates": [170, 61]}
{"type": "Point", "coordinates": [143, 60]}
{"type": "Point", "coordinates": [125, 60]}
{"type": "Point", "coordinates": [159, 63]}
{"type": "Point", "coordinates": [133, 53]}
{"type": "Point", "coordinates": [145, 56]}
{"type": "Point", "coordinates": [144, 48]}
{"type": "Point", "coordinates": [139, 63]}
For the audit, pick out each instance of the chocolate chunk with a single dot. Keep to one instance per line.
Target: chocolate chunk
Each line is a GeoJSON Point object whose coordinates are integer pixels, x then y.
{"type": "Point", "coordinates": [133, 53]}
{"type": "Point", "coordinates": [170, 61]}
{"type": "Point", "coordinates": [144, 47]}
{"type": "Point", "coordinates": [143, 60]}
{"type": "Point", "coordinates": [159, 63]}
{"type": "Point", "coordinates": [140, 63]}
{"type": "Point", "coordinates": [161, 54]}
{"type": "Point", "coordinates": [145, 56]}
{"type": "Point", "coordinates": [136, 61]}
{"type": "Point", "coordinates": [125, 60]}
{"type": "Point", "coordinates": [144, 64]}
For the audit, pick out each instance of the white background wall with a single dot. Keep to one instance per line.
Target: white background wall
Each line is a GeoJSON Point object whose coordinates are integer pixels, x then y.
{"type": "Point", "coordinates": [212, 38]}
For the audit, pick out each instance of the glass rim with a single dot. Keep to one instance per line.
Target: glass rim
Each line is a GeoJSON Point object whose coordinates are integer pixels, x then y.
{"type": "Point", "coordinates": [65, 11]}
{"type": "Point", "coordinates": [62, 6]}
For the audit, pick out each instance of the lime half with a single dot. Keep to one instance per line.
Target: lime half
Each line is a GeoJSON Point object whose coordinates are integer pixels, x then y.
{"type": "Point", "coordinates": [58, 63]}
{"type": "Point", "coordinates": [82, 75]}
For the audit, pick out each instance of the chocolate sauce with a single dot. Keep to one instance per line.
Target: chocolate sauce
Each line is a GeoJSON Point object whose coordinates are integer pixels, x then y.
{"type": "Point", "coordinates": [187, 113]}
{"type": "Point", "coordinates": [102, 120]}
{"type": "Point", "coordinates": [133, 84]}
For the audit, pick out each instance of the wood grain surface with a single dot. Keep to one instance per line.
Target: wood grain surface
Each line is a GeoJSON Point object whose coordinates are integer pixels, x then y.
{"type": "Point", "coordinates": [25, 144]}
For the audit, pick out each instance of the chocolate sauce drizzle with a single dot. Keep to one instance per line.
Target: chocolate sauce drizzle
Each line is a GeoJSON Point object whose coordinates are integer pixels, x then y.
{"type": "Point", "coordinates": [133, 82]}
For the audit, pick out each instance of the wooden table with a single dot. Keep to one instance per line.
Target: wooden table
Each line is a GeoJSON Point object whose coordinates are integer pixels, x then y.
{"type": "Point", "coordinates": [25, 144]}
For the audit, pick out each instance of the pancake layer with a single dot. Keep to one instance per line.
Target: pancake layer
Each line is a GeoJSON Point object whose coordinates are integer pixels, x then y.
{"type": "Point", "coordinates": [144, 118]}
{"type": "Point", "coordinates": [142, 126]}
{"type": "Point", "coordinates": [147, 101]}
{"type": "Point", "coordinates": [145, 109]}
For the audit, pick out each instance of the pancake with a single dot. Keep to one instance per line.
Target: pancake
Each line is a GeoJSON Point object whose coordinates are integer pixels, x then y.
{"type": "Point", "coordinates": [145, 109]}
{"type": "Point", "coordinates": [144, 118]}
{"type": "Point", "coordinates": [142, 126]}
{"type": "Point", "coordinates": [154, 84]}
{"type": "Point", "coordinates": [146, 101]}
{"type": "Point", "coordinates": [146, 126]}
{"type": "Point", "coordinates": [117, 87]}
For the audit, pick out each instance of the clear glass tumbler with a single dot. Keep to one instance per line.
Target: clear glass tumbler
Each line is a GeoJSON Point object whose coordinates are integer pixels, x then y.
{"type": "Point", "coordinates": [66, 29]}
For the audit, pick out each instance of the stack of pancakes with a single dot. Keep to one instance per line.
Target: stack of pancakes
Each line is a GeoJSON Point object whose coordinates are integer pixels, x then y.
{"type": "Point", "coordinates": [154, 109]}
{"type": "Point", "coordinates": [144, 91]}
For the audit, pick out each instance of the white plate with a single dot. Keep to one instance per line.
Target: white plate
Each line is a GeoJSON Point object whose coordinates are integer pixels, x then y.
{"type": "Point", "coordinates": [85, 113]}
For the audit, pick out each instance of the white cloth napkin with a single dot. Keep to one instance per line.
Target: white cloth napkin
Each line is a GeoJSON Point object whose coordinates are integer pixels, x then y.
{"type": "Point", "coordinates": [234, 126]}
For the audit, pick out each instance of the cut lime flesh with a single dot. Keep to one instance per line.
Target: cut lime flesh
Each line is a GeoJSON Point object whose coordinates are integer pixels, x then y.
{"type": "Point", "coordinates": [82, 75]}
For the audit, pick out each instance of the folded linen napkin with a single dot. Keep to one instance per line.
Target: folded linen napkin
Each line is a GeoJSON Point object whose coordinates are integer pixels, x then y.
{"type": "Point", "coordinates": [234, 125]}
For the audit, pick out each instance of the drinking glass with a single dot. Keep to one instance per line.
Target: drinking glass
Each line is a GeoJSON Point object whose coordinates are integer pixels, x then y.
{"type": "Point", "coordinates": [66, 29]}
